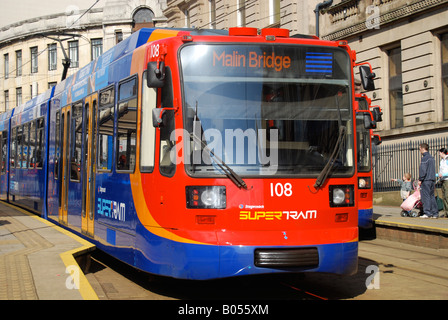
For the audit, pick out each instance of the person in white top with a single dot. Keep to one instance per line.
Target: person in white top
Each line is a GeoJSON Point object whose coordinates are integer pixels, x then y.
{"type": "Point", "coordinates": [443, 176]}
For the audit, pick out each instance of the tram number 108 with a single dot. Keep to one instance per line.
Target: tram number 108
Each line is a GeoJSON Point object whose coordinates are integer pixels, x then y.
{"type": "Point", "coordinates": [280, 190]}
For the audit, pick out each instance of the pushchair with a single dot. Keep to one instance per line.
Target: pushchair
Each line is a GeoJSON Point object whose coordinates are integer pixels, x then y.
{"type": "Point", "coordinates": [413, 206]}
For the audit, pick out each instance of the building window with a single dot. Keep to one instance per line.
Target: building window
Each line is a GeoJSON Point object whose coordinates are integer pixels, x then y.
{"type": "Point", "coordinates": [52, 57]}
{"type": "Point", "coordinates": [18, 96]}
{"type": "Point", "coordinates": [52, 84]}
{"type": "Point", "coordinates": [6, 59]}
{"type": "Point", "coordinates": [97, 48]}
{"type": "Point", "coordinates": [444, 45]}
{"type": "Point", "coordinates": [18, 63]}
{"type": "Point", "coordinates": [6, 100]}
{"type": "Point", "coordinates": [34, 63]}
{"type": "Point", "coordinates": [34, 89]}
{"type": "Point", "coordinates": [73, 54]}
{"type": "Point", "coordinates": [395, 88]}
{"type": "Point", "coordinates": [241, 13]}
{"type": "Point", "coordinates": [143, 18]}
{"type": "Point", "coordinates": [118, 36]}
{"type": "Point", "coordinates": [143, 15]}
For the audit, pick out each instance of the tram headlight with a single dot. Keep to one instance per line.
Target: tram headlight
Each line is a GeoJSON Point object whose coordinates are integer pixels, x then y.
{"type": "Point", "coordinates": [364, 183]}
{"type": "Point", "coordinates": [206, 197]}
{"type": "Point", "coordinates": [209, 198]}
{"type": "Point", "coordinates": [342, 196]}
{"type": "Point", "coordinates": [338, 196]}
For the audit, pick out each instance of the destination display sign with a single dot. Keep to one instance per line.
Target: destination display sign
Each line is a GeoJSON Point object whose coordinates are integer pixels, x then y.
{"type": "Point", "coordinates": [265, 61]}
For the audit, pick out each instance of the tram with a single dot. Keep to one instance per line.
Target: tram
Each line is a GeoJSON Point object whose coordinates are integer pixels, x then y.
{"type": "Point", "coordinates": [199, 154]}
{"type": "Point", "coordinates": [365, 140]}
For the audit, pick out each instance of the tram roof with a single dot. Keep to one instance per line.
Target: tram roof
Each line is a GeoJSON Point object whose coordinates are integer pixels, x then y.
{"type": "Point", "coordinates": [88, 79]}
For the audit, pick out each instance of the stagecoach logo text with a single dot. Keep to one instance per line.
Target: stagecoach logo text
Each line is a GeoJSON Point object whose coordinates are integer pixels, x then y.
{"type": "Point", "coordinates": [278, 215]}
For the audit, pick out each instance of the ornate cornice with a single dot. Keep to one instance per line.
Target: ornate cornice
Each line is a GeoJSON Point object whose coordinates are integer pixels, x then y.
{"type": "Point", "coordinates": [406, 10]}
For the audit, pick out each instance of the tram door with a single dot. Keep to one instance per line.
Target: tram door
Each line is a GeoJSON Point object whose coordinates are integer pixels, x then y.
{"type": "Point", "coordinates": [88, 200]}
{"type": "Point", "coordinates": [64, 165]}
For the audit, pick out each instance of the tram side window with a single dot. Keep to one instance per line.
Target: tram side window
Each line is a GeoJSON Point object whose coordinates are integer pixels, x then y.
{"type": "Point", "coordinates": [40, 144]}
{"type": "Point", "coordinates": [167, 146]}
{"type": "Point", "coordinates": [19, 146]}
{"type": "Point", "coordinates": [76, 142]}
{"type": "Point", "coordinates": [106, 129]}
{"type": "Point", "coordinates": [148, 132]}
{"type": "Point", "coordinates": [127, 125]}
{"type": "Point", "coordinates": [4, 150]}
{"type": "Point", "coordinates": [57, 145]}
{"type": "Point", "coordinates": [26, 147]}
{"type": "Point", "coordinates": [12, 154]}
{"type": "Point", "coordinates": [32, 146]}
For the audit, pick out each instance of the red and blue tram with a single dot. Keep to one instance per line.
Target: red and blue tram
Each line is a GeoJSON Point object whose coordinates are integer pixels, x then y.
{"type": "Point", "coordinates": [365, 140]}
{"type": "Point", "coordinates": [24, 144]}
{"type": "Point", "coordinates": [198, 154]}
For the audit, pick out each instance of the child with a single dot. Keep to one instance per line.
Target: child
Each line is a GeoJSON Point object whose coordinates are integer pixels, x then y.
{"type": "Point", "coordinates": [443, 176]}
{"type": "Point", "coordinates": [406, 186]}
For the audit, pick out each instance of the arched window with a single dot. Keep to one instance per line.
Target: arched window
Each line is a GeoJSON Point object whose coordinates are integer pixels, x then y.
{"type": "Point", "coordinates": [142, 18]}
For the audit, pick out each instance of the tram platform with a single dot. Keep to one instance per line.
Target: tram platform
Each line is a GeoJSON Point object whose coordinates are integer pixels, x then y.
{"type": "Point", "coordinates": [37, 259]}
{"type": "Point", "coordinates": [390, 225]}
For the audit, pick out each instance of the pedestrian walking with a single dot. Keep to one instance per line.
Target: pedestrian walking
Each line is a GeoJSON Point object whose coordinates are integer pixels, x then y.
{"type": "Point", "coordinates": [426, 180]}
{"type": "Point", "coordinates": [443, 176]}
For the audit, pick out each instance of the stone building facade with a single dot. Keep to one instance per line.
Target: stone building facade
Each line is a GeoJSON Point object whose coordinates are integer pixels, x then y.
{"type": "Point", "coordinates": [31, 52]}
{"type": "Point", "coordinates": [406, 41]}
{"type": "Point", "coordinates": [297, 16]}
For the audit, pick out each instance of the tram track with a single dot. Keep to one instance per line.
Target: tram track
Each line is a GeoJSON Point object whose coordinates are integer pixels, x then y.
{"type": "Point", "coordinates": [420, 260]}
{"type": "Point", "coordinates": [402, 268]}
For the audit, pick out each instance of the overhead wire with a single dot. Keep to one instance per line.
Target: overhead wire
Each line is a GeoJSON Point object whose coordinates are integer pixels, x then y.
{"type": "Point", "coordinates": [45, 49]}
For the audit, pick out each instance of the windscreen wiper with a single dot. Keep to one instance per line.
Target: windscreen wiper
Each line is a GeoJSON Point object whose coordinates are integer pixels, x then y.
{"type": "Point", "coordinates": [337, 148]}
{"type": "Point", "coordinates": [232, 175]}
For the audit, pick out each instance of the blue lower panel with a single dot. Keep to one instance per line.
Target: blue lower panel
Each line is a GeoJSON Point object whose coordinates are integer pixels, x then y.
{"type": "Point", "coordinates": [111, 236]}
{"type": "Point", "coordinates": [340, 258]}
{"type": "Point", "coordinates": [365, 218]}
{"type": "Point", "coordinates": [201, 262]}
